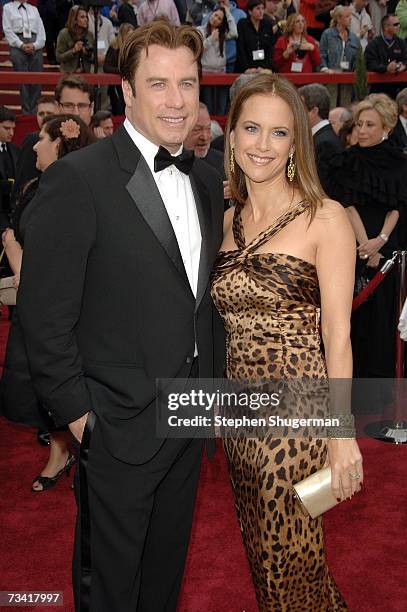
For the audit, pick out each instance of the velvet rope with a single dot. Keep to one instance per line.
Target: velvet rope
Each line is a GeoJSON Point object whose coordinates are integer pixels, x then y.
{"type": "Point", "coordinates": [374, 283]}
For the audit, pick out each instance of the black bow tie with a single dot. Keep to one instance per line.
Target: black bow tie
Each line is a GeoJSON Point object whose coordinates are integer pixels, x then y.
{"type": "Point", "coordinates": [22, 6]}
{"type": "Point", "coordinates": [183, 162]}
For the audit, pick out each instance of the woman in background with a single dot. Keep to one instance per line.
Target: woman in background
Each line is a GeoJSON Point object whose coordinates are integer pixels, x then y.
{"type": "Point", "coordinates": [220, 27]}
{"type": "Point", "coordinates": [295, 51]}
{"type": "Point", "coordinates": [339, 47]}
{"type": "Point", "coordinates": [60, 135]}
{"type": "Point", "coordinates": [75, 43]}
{"type": "Point", "coordinates": [111, 66]}
{"type": "Point", "coordinates": [370, 179]}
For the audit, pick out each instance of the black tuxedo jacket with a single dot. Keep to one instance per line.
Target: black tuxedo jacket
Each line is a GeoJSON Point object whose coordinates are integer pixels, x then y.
{"type": "Point", "coordinates": [5, 186]}
{"type": "Point", "coordinates": [398, 136]}
{"type": "Point", "coordinates": [326, 144]}
{"type": "Point", "coordinates": [104, 300]}
{"type": "Point", "coordinates": [14, 155]}
{"type": "Point", "coordinates": [26, 168]}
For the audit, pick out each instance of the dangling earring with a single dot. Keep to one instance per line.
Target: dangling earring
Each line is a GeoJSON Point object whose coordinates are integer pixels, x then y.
{"type": "Point", "coordinates": [385, 136]}
{"type": "Point", "coordinates": [232, 160]}
{"type": "Point", "coordinates": [291, 169]}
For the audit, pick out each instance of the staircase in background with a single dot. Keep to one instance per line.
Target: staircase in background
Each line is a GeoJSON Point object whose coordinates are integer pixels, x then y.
{"type": "Point", "coordinates": [9, 94]}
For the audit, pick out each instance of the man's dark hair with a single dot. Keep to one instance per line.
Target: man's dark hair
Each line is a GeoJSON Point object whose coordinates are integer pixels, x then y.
{"type": "Point", "coordinates": [253, 3]}
{"type": "Point", "coordinates": [385, 20]}
{"type": "Point", "coordinates": [46, 100]}
{"type": "Point", "coordinates": [6, 114]}
{"type": "Point", "coordinates": [157, 32]}
{"type": "Point", "coordinates": [73, 82]}
{"type": "Point", "coordinates": [316, 95]}
{"type": "Point", "coordinates": [100, 116]}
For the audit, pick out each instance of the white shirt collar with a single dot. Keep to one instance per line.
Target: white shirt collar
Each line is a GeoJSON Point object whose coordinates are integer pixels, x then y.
{"type": "Point", "coordinates": [318, 126]}
{"type": "Point", "coordinates": [147, 148]}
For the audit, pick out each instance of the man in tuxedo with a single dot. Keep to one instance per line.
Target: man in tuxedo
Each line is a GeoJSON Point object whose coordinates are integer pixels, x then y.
{"type": "Point", "coordinates": [27, 165]}
{"type": "Point", "coordinates": [114, 294]}
{"type": "Point", "coordinates": [326, 142]}
{"type": "Point", "coordinates": [398, 136]}
{"type": "Point", "coordinates": [9, 155]}
{"type": "Point", "coordinates": [199, 140]}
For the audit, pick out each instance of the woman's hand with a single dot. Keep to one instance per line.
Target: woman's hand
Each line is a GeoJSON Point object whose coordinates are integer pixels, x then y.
{"type": "Point", "coordinates": [78, 46]}
{"type": "Point", "coordinates": [307, 46]}
{"type": "Point", "coordinates": [345, 460]}
{"type": "Point", "coordinates": [374, 260]}
{"type": "Point", "coordinates": [7, 237]}
{"type": "Point", "coordinates": [371, 247]}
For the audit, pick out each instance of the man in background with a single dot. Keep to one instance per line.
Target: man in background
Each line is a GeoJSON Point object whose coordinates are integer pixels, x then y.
{"type": "Point", "coordinates": [9, 154]}
{"type": "Point", "coordinates": [199, 140]}
{"type": "Point", "coordinates": [24, 32]}
{"type": "Point", "coordinates": [326, 142]}
{"type": "Point", "coordinates": [102, 124]}
{"type": "Point", "coordinates": [26, 167]}
{"type": "Point", "coordinates": [75, 95]}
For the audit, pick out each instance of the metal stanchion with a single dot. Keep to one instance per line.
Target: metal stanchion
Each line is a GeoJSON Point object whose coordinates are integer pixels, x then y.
{"type": "Point", "coordinates": [395, 431]}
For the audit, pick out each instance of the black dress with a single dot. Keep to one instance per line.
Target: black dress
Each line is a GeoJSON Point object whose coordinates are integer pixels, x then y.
{"type": "Point", "coordinates": [18, 400]}
{"type": "Point", "coordinates": [374, 181]}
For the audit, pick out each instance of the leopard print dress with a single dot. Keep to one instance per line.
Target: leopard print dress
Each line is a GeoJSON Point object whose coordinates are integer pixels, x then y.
{"type": "Point", "coordinates": [270, 305]}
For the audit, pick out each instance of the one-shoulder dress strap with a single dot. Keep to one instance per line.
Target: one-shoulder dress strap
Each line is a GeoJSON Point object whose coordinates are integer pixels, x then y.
{"type": "Point", "coordinates": [269, 232]}
{"type": "Point", "coordinates": [238, 233]}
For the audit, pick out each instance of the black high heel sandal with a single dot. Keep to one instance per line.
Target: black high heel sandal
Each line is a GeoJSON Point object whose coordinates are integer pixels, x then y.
{"type": "Point", "coordinates": [49, 482]}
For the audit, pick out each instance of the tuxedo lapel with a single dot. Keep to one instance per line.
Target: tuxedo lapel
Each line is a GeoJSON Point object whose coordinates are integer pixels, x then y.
{"type": "Point", "coordinates": [145, 195]}
{"type": "Point", "coordinates": [203, 205]}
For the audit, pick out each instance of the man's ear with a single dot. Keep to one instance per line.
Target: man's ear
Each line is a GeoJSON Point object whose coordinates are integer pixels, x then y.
{"type": "Point", "coordinates": [128, 93]}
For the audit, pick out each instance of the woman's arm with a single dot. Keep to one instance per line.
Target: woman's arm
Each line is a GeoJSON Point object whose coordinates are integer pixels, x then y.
{"type": "Point", "coordinates": [373, 246]}
{"type": "Point", "coordinates": [315, 54]}
{"type": "Point", "coordinates": [13, 251]}
{"type": "Point", "coordinates": [279, 51]}
{"type": "Point", "coordinates": [335, 262]}
{"type": "Point", "coordinates": [232, 25]}
{"type": "Point", "coordinates": [65, 47]}
{"type": "Point", "coordinates": [357, 224]}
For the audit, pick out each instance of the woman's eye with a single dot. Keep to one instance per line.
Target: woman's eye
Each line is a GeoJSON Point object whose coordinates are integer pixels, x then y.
{"type": "Point", "coordinates": [280, 133]}
{"type": "Point", "coordinates": [250, 128]}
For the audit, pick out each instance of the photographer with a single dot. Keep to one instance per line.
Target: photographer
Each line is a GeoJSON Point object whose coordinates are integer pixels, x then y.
{"type": "Point", "coordinates": [75, 43]}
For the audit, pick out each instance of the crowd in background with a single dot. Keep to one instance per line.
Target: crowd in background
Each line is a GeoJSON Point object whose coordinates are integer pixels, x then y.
{"type": "Point", "coordinates": [281, 35]}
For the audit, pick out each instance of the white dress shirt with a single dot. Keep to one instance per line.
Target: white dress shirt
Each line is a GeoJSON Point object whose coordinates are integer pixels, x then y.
{"type": "Point", "coordinates": [19, 20]}
{"type": "Point", "coordinates": [176, 193]}
{"type": "Point", "coordinates": [318, 126]}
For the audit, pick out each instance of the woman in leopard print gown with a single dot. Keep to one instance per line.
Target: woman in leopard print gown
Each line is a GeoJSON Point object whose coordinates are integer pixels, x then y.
{"type": "Point", "coordinates": [287, 256]}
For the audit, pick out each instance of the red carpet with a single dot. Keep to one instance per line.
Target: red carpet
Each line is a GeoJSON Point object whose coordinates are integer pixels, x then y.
{"type": "Point", "coordinates": [365, 538]}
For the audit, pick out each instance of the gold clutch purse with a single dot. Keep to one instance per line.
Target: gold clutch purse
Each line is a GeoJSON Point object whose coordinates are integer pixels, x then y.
{"type": "Point", "coordinates": [314, 494]}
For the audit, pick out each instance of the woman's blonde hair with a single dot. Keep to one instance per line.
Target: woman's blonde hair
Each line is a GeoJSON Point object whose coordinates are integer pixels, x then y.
{"type": "Point", "coordinates": [383, 105]}
{"type": "Point", "coordinates": [124, 29]}
{"type": "Point", "coordinates": [290, 23]}
{"type": "Point", "coordinates": [336, 13]}
{"type": "Point", "coordinates": [306, 178]}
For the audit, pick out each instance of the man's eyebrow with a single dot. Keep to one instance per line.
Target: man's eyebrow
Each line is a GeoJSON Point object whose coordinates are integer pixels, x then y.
{"type": "Point", "coordinates": [165, 80]}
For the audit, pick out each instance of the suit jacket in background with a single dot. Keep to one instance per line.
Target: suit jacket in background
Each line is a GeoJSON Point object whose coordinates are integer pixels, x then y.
{"type": "Point", "coordinates": [104, 300]}
{"type": "Point", "coordinates": [26, 167]}
{"type": "Point", "coordinates": [398, 136]}
{"type": "Point", "coordinates": [326, 144]}
{"type": "Point", "coordinates": [6, 187]}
